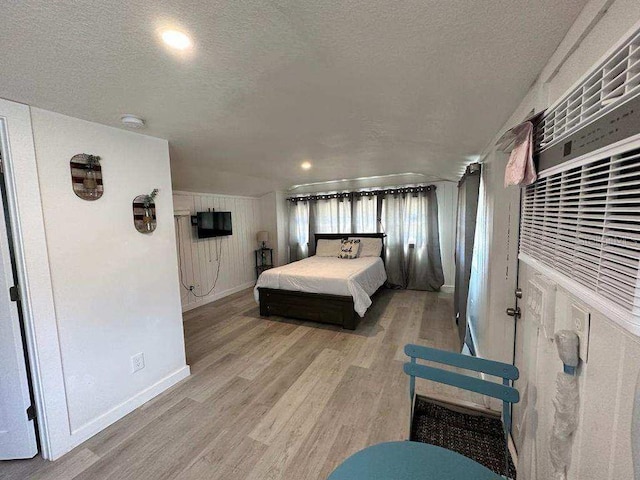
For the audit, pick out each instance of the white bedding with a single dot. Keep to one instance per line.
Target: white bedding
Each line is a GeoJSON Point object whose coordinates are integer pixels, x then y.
{"type": "Point", "coordinates": [358, 278]}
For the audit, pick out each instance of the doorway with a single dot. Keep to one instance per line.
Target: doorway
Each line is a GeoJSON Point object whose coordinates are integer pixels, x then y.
{"type": "Point", "coordinates": [494, 272]}
{"type": "Point", "coordinates": [18, 429]}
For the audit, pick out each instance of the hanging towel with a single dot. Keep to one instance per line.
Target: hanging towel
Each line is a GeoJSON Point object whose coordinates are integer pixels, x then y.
{"type": "Point", "coordinates": [520, 168]}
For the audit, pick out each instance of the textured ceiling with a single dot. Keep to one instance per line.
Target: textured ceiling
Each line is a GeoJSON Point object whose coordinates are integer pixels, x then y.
{"type": "Point", "coordinates": [358, 88]}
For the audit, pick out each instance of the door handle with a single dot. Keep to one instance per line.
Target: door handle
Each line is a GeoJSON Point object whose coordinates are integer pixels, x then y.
{"type": "Point", "coordinates": [513, 312]}
{"type": "Point", "coordinates": [518, 293]}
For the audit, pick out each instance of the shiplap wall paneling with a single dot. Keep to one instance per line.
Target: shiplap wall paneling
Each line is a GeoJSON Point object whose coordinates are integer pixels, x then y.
{"type": "Point", "coordinates": [199, 257]}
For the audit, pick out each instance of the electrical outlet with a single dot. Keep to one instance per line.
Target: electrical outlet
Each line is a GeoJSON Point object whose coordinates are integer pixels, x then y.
{"type": "Point", "coordinates": [137, 362]}
{"type": "Point", "coordinates": [581, 322]}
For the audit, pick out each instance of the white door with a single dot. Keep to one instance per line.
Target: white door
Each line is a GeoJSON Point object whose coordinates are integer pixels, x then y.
{"type": "Point", "coordinates": [494, 275]}
{"type": "Point", "coordinates": [17, 432]}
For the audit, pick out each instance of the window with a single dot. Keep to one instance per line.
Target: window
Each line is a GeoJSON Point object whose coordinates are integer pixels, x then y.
{"type": "Point", "coordinates": [332, 215]}
{"type": "Point", "coordinates": [364, 214]}
{"type": "Point", "coordinates": [408, 216]}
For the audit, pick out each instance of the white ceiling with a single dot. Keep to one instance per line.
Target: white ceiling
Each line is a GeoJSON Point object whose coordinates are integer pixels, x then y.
{"type": "Point", "coordinates": [359, 88]}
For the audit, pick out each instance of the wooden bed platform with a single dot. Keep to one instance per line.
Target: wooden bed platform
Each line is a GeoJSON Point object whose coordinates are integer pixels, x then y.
{"type": "Point", "coordinates": [318, 307]}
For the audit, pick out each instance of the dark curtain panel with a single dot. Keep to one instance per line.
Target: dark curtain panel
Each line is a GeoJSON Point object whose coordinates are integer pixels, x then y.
{"type": "Point", "coordinates": [313, 211]}
{"type": "Point", "coordinates": [468, 189]}
{"type": "Point", "coordinates": [412, 258]}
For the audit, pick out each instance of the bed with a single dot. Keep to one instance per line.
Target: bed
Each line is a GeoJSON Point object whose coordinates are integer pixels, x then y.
{"type": "Point", "coordinates": [323, 289]}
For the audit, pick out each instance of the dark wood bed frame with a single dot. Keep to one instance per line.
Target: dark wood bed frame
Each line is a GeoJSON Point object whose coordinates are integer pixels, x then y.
{"type": "Point", "coordinates": [318, 307]}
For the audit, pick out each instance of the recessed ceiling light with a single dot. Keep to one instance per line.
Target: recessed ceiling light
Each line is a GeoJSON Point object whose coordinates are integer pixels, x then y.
{"type": "Point", "coordinates": [132, 121]}
{"type": "Point", "coordinates": [176, 39]}
{"type": "Point", "coordinates": [305, 165]}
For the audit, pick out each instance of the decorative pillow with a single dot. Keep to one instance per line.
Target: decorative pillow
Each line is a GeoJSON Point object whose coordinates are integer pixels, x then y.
{"type": "Point", "coordinates": [369, 247]}
{"type": "Point", "coordinates": [349, 248]}
{"type": "Point", "coordinates": [328, 248]}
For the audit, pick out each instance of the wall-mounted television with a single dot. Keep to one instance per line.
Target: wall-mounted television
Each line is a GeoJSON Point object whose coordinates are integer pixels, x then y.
{"type": "Point", "coordinates": [214, 224]}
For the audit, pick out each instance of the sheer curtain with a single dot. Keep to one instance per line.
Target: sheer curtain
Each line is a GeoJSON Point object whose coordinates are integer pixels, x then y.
{"type": "Point", "coordinates": [331, 215]}
{"type": "Point", "coordinates": [298, 230]}
{"type": "Point", "coordinates": [408, 216]}
{"type": "Point", "coordinates": [364, 214]}
{"type": "Point", "coordinates": [413, 258]}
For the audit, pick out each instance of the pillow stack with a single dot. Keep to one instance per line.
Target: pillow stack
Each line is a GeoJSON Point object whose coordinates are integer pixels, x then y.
{"type": "Point", "coordinates": [353, 247]}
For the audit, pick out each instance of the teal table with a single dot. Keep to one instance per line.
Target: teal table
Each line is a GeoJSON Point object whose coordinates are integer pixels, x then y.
{"type": "Point", "coordinates": [410, 461]}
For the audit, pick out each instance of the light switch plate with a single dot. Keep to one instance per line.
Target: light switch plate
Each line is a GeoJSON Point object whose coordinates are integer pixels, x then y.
{"type": "Point", "coordinates": [580, 323]}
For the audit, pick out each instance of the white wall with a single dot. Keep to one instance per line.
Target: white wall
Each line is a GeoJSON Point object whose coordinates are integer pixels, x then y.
{"type": "Point", "coordinates": [602, 443]}
{"type": "Point", "coordinates": [198, 257]}
{"type": "Point", "coordinates": [269, 221]}
{"type": "Point", "coordinates": [115, 290]}
{"type": "Point", "coordinates": [274, 214]}
{"type": "Point", "coordinates": [282, 228]}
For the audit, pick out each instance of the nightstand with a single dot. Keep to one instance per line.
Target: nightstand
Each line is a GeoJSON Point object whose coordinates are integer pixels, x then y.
{"type": "Point", "coordinates": [264, 260]}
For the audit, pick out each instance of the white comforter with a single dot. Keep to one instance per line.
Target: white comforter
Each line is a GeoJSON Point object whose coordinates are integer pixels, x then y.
{"type": "Point", "coordinates": [358, 277]}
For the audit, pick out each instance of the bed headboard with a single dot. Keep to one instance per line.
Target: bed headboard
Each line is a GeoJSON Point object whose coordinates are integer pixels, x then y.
{"type": "Point", "coordinates": [340, 236]}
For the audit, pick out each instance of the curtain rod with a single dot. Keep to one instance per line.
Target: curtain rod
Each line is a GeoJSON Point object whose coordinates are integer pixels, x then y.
{"type": "Point", "coordinates": [364, 193]}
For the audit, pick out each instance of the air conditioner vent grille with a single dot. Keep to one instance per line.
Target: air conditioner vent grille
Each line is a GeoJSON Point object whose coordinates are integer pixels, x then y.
{"type": "Point", "coordinates": [584, 222]}
{"type": "Point", "coordinates": [615, 80]}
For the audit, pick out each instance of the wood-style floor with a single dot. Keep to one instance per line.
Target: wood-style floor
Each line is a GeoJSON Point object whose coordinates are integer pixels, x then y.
{"type": "Point", "coordinates": [267, 398]}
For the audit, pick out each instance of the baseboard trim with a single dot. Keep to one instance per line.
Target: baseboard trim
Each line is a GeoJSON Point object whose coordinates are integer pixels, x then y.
{"type": "Point", "coordinates": [98, 424]}
{"type": "Point", "coordinates": [447, 288]}
{"type": "Point", "coordinates": [216, 296]}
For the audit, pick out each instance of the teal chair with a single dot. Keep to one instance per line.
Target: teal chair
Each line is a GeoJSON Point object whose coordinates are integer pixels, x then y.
{"type": "Point", "coordinates": [414, 460]}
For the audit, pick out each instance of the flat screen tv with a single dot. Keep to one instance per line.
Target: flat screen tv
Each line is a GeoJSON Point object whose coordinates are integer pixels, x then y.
{"type": "Point", "coordinates": [214, 224]}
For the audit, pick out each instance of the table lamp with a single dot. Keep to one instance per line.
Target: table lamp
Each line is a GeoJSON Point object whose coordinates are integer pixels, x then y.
{"type": "Point", "coordinates": [263, 238]}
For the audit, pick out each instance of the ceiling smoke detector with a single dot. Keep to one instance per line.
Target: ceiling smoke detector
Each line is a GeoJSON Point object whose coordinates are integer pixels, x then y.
{"type": "Point", "coordinates": [132, 121]}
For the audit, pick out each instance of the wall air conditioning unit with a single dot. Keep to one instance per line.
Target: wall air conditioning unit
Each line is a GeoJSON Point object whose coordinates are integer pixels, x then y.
{"type": "Point", "coordinates": [580, 221]}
